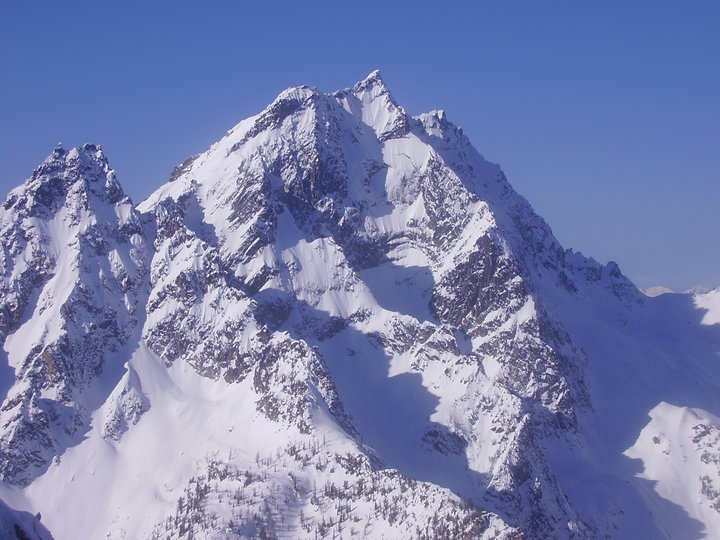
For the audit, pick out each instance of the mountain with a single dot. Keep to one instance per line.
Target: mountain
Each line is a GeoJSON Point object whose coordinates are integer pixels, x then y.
{"type": "Point", "coordinates": [698, 289]}
{"type": "Point", "coordinates": [656, 290]}
{"type": "Point", "coordinates": [339, 321]}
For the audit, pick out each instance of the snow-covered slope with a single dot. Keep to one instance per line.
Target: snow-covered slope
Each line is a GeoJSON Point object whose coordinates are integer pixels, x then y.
{"type": "Point", "coordinates": [710, 302]}
{"type": "Point", "coordinates": [340, 320]}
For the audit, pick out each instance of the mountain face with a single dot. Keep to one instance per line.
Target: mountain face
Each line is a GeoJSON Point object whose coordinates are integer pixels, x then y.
{"type": "Point", "coordinates": [339, 321]}
{"type": "Point", "coordinates": [72, 262]}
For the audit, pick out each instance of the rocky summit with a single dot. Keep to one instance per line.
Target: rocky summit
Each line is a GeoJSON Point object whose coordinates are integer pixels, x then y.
{"type": "Point", "coordinates": [340, 321]}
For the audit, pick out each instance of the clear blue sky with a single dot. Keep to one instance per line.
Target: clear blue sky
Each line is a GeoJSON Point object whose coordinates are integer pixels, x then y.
{"type": "Point", "coordinates": [604, 115]}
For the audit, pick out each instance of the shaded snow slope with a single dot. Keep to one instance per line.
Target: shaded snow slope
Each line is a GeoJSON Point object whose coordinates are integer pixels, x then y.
{"type": "Point", "coordinates": [339, 320]}
{"type": "Point", "coordinates": [21, 525]}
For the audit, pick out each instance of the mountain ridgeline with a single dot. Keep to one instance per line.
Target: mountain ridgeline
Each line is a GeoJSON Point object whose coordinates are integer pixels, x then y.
{"type": "Point", "coordinates": [340, 321]}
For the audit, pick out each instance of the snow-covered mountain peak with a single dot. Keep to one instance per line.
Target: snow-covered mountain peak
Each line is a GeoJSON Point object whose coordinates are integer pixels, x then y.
{"type": "Point", "coordinates": [300, 93]}
{"type": "Point", "coordinates": [337, 320]}
{"type": "Point", "coordinates": [72, 264]}
{"type": "Point", "coordinates": [436, 123]}
{"type": "Point", "coordinates": [370, 88]}
{"type": "Point", "coordinates": [88, 158]}
{"type": "Point", "coordinates": [374, 78]}
{"type": "Point", "coordinates": [79, 176]}
{"type": "Point", "coordinates": [370, 100]}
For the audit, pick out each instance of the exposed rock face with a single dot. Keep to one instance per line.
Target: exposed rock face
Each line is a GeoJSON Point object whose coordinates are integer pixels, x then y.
{"type": "Point", "coordinates": [339, 320]}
